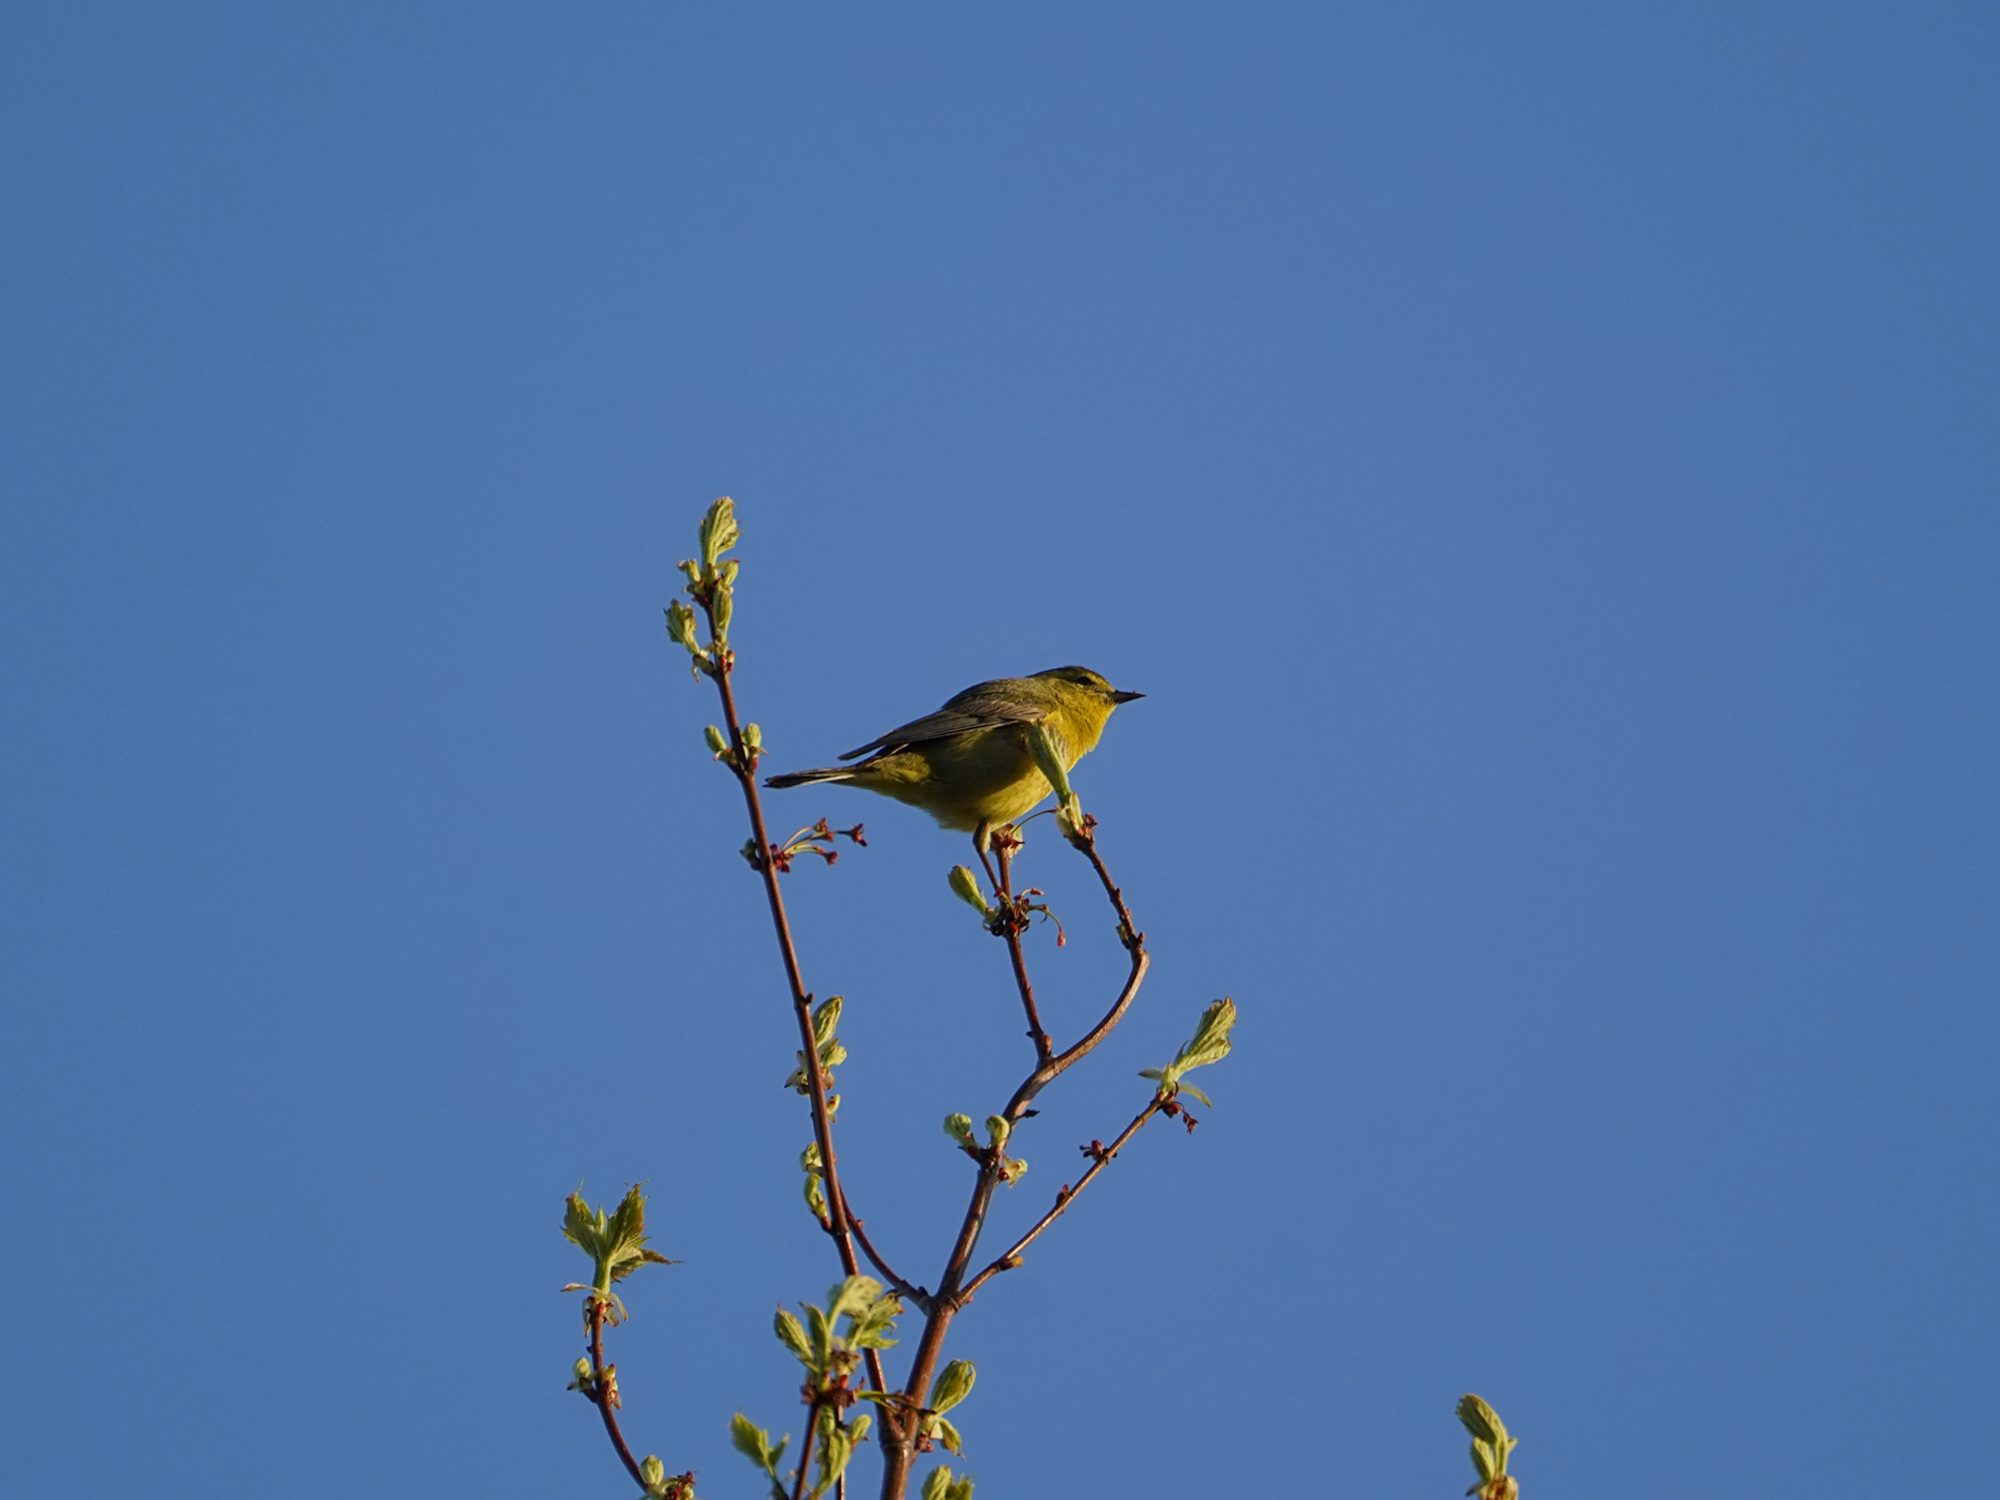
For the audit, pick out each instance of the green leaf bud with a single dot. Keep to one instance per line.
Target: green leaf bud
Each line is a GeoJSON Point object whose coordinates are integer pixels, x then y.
{"type": "Point", "coordinates": [717, 742]}
{"type": "Point", "coordinates": [1483, 1459]}
{"type": "Point", "coordinates": [953, 1385]}
{"type": "Point", "coordinates": [791, 1333]}
{"type": "Point", "coordinates": [853, 1297]}
{"type": "Point", "coordinates": [836, 1448]}
{"type": "Point", "coordinates": [719, 531]}
{"type": "Point", "coordinates": [959, 1128]}
{"type": "Point", "coordinates": [680, 626]}
{"type": "Point", "coordinates": [825, 1017]}
{"type": "Point", "coordinates": [965, 886]}
{"type": "Point", "coordinates": [997, 1131]}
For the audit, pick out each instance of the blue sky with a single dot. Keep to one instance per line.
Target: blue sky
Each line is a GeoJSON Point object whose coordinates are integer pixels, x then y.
{"type": "Point", "coordinates": [1538, 461]}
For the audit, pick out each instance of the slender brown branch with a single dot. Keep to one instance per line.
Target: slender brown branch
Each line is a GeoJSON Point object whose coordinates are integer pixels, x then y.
{"type": "Point", "coordinates": [1014, 925]}
{"type": "Point", "coordinates": [600, 1395]}
{"type": "Point", "coordinates": [898, 1448]}
{"type": "Point", "coordinates": [1100, 1159]}
{"type": "Point", "coordinates": [743, 765]}
{"type": "Point", "coordinates": [900, 1285]}
{"type": "Point", "coordinates": [805, 1450]}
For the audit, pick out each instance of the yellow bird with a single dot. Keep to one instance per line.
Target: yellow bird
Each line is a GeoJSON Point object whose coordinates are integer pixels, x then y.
{"type": "Point", "coordinates": [972, 764]}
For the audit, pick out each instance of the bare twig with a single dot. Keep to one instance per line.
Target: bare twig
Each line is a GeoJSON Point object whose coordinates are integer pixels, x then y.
{"type": "Point", "coordinates": [743, 765]}
{"type": "Point", "coordinates": [1100, 1158]}
{"type": "Point", "coordinates": [954, 1291]}
{"type": "Point", "coordinates": [805, 1451]}
{"type": "Point", "coordinates": [908, 1290]}
{"type": "Point", "coordinates": [1013, 925]}
{"type": "Point", "coordinates": [600, 1394]}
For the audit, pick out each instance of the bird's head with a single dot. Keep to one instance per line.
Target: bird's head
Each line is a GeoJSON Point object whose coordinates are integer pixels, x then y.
{"type": "Point", "coordinates": [1083, 677]}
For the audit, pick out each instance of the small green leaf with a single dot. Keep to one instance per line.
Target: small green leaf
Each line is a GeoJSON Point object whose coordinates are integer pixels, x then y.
{"type": "Point", "coordinates": [826, 1017]}
{"type": "Point", "coordinates": [1211, 1038]}
{"type": "Point", "coordinates": [747, 1438]}
{"type": "Point", "coordinates": [755, 1444]}
{"type": "Point", "coordinates": [717, 742]}
{"type": "Point", "coordinates": [1481, 1420]}
{"type": "Point", "coordinates": [872, 1329]}
{"type": "Point", "coordinates": [939, 1485]}
{"type": "Point", "coordinates": [820, 1335]}
{"type": "Point", "coordinates": [1483, 1460]}
{"type": "Point", "coordinates": [615, 1242]}
{"type": "Point", "coordinates": [836, 1447]}
{"type": "Point", "coordinates": [997, 1131]}
{"type": "Point", "coordinates": [965, 886]}
{"type": "Point", "coordinates": [1209, 1044]}
{"type": "Point", "coordinates": [959, 1128]}
{"type": "Point", "coordinates": [852, 1297]}
{"type": "Point", "coordinates": [680, 626]}
{"type": "Point", "coordinates": [719, 531]}
{"type": "Point", "coordinates": [953, 1385]}
{"type": "Point", "coordinates": [792, 1334]}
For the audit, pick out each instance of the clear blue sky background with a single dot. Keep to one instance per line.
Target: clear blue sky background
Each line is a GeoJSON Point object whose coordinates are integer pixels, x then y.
{"type": "Point", "coordinates": [1539, 461]}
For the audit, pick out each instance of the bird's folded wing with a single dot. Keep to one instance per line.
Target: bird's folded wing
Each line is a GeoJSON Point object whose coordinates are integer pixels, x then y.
{"type": "Point", "coordinates": [975, 708]}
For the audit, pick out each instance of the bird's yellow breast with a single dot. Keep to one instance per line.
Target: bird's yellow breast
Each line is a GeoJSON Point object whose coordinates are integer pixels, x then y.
{"type": "Point", "coordinates": [986, 776]}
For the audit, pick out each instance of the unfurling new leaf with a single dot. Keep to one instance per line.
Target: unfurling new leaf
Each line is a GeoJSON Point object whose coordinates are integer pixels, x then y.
{"type": "Point", "coordinates": [815, 1185]}
{"type": "Point", "coordinates": [755, 1444]}
{"type": "Point", "coordinates": [616, 1245]}
{"type": "Point", "coordinates": [719, 531]}
{"type": "Point", "coordinates": [792, 1334]}
{"type": "Point", "coordinates": [825, 1023]}
{"type": "Point", "coordinates": [965, 886]}
{"type": "Point", "coordinates": [1491, 1447]}
{"type": "Point", "coordinates": [953, 1385]}
{"type": "Point", "coordinates": [1209, 1044]}
{"type": "Point", "coordinates": [941, 1486]}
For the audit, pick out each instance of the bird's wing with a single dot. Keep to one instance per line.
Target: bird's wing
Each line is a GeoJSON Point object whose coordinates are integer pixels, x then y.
{"type": "Point", "coordinates": [987, 705]}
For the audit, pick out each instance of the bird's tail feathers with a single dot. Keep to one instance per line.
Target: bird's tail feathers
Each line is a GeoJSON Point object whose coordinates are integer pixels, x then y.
{"type": "Point", "coordinates": [807, 778]}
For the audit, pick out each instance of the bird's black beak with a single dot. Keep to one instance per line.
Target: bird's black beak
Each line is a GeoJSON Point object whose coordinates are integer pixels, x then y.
{"type": "Point", "coordinates": [1117, 697]}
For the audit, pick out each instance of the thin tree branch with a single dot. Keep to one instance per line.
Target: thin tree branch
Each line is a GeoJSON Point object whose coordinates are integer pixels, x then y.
{"type": "Point", "coordinates": [898, 1448]}
{"type": "Point", "coordinates": [1100, 1159]}
{"type": "Point", "coordinates": [743, 764]}
{"type": "Point", "coordinates": [900, 1285]}
{"type": "Point", "coordinates": [805, 1451]}
{"type": "Point", "coordinates": [600, 1394]}
{"type": "Point", "coordinates": [1012, 929]}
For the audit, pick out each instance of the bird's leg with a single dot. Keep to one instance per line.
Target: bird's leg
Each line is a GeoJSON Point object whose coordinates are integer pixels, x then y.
{"type": "Point", "coordinates": [981, 838]}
